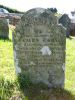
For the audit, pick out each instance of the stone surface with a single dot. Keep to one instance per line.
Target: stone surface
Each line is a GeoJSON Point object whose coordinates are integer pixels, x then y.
{"type": "Point", "coordinates": [66, 22]}
{"type": "Point", "coordinates": [4, 29]}
{"type": "Point", "coordinates": [39, 48]}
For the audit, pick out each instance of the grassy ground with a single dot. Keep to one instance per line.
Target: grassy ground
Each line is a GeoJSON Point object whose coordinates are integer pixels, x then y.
{"type": "Point", "coordinates": [9, 86]}
{"type": "Point", "coordinates": [70, 65]}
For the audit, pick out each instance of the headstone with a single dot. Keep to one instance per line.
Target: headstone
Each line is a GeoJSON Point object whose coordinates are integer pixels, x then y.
{"type": "Point", "coordinates": [66, 22]}
{"type": "Point", "coordinates": [4, 29]}
{"type": "Point", "coordinates": [39, 48]}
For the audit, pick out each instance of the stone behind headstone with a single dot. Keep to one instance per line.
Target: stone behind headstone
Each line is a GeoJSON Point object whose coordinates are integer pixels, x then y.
{"type": "Point", "coordinates": [66, 22]}
{"type": "Point", "coordinates": [39, 48]}
{"type": "Point", "coordinates": [4, 29]}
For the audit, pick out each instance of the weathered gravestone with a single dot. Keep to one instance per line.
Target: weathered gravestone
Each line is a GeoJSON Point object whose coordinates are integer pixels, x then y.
{"type": "Point", "coordinates": [39, 48]}
{"type": "Point", "coordinates": [4, 29]}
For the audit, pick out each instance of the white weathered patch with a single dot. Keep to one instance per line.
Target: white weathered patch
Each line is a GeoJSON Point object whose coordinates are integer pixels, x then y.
{"type": "Point", "coordinates": [63, 66]}
{"type": "Point", "coordinates": [45, 50]}
{"type": "Point", "coordinates": [17, 69]}
{"type": "Point", "coordinates": [32, 63]}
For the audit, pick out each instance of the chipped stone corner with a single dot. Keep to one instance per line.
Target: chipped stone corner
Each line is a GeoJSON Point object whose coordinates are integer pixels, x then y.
{"type": "Point", "coordinates": [63, 66]}
{"type": "Point", "coordinates": [18, 70]}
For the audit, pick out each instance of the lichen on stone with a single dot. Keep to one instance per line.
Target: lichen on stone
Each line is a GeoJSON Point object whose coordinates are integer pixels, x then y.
{"type": "Point", "coordinates": [39, 43]}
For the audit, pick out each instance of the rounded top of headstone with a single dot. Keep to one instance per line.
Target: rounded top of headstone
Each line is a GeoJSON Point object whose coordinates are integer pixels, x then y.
{"type": "Point", "coordinates": [35, 11]}
{"type": "Point", "coordinates": [39, 13]}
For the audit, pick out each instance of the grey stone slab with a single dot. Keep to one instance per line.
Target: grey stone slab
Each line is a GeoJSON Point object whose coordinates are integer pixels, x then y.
{"type": "Point", "coordinates": [39, 47]}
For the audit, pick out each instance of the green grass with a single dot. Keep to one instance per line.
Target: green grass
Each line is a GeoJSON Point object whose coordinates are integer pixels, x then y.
{"type": "Point", "coordinates": [9, 86]}
{"type": "Point", "coordinates": [70, 65]}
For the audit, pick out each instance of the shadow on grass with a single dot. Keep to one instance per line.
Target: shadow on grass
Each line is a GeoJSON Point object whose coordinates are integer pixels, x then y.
{"type": "Point", "coordinates": [69, 37]}
{"type": "Point", "coordinates": [5, 39]}
{"type": "Point", "coordinates": [41, 91]}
